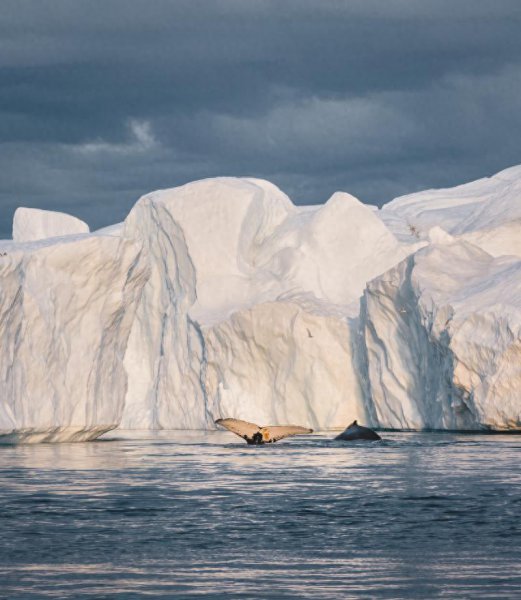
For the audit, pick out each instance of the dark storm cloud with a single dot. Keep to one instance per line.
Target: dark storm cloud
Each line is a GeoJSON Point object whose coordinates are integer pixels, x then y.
{"type": "Point", "coordinates": [102, 101]}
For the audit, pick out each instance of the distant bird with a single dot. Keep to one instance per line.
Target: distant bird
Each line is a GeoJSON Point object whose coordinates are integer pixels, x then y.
{"type": "Point", "coordinates": [254, 434]}
{"type": "Point", "coordinates": [357, 432]}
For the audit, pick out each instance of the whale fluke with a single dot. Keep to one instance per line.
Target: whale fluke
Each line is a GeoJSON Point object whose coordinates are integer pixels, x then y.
{"type": "Point", "coordinates": [254, 434]}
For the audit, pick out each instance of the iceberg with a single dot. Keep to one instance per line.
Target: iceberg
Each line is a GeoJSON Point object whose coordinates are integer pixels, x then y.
{"type": "Point", "coordinates": [250, 306]}
{"type": "Point", "coordinates": [66, 308]}
{"type": "Point", "coordinates": [221, 298]}
{"type": "Point", "coordinates": [486, 212]}
{"type": "Point", "coordinates": [32, 224]}
{"type": "Point", "coordinates": [442, 332]}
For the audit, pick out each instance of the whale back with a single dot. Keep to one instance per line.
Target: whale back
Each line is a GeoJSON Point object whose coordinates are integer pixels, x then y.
{"type": "Point", "coordinates": [357, 432]}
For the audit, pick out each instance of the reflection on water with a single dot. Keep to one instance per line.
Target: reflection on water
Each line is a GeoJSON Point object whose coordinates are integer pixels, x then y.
{"type": "Point", "coordinates": [202, 514]}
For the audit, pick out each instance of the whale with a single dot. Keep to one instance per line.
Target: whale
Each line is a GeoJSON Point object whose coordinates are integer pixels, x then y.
{"type": "Point", "coordinates": [357, 432]}
{"type": "Point", "coordinates": [256, 435]}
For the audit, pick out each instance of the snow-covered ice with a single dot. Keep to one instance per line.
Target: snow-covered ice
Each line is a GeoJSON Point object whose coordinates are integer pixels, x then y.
{"type": "Point", "coordinates": [443, 339]}
{"type": "Point", "coordinates": [66, 308]}
{"type": "Point", "coordinates": [250, 306]}
{"type": "Point", "coordinates": [222, 298]}
{"type": "Point", "coordinates": [486, 212]}
{"type": "Point", "coordinates": [32, 224]}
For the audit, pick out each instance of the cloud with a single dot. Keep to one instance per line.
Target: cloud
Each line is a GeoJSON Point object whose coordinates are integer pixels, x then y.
{"type": "Point", "coordinates": [377, 98]}
{"type": "Point", "coordinates": [141, 140]}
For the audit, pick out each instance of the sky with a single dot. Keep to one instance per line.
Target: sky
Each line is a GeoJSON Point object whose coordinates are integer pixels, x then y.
{"type": "Point", "coordinates": [103, 101]}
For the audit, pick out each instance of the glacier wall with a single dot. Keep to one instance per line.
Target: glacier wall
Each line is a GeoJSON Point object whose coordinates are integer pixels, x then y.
{"type": "Point", "coordinates": [281, 362]}
{"type": "Point", "coordinates": [250, 306]}
{"type": "Point", "coordinates": [443, 339]}
{"type": "Point", "coordinates": [222, 298]}
{"type": "Point", "coordinates": [66, 308]}
{"type": "Point", "coordinates": [164, 353]}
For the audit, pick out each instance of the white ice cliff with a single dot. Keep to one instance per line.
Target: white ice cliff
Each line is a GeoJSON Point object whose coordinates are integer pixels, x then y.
{"type": "Point", "coordinates": [250, 305]}
{"type": "Point", "coordinates": [32, 224]}
{"type": "Point", "coordinates": [222, 298]}
{"type": "Point", "coordinates": [443, 338]}
{"type": "Point", "coordinates": [66, 308]}
{"type": "Point", "coordinates": [442, 329]}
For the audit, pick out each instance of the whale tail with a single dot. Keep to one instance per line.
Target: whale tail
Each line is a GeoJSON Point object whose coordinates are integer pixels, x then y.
{"type": "Point", "coordinates": [254, 434]}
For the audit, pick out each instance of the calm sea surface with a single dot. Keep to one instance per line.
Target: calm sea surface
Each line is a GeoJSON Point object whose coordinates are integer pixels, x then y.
{"type": "Point", "coordinates": [204, 515]}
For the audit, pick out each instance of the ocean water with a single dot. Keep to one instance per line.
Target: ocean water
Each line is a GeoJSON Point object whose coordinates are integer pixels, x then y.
{"type": "Point", "coordinates": [204, 515]}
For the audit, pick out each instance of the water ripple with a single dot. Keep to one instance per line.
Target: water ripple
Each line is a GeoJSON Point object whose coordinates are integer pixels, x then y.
{"type": "Point", "coordinates": [196, 514]}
